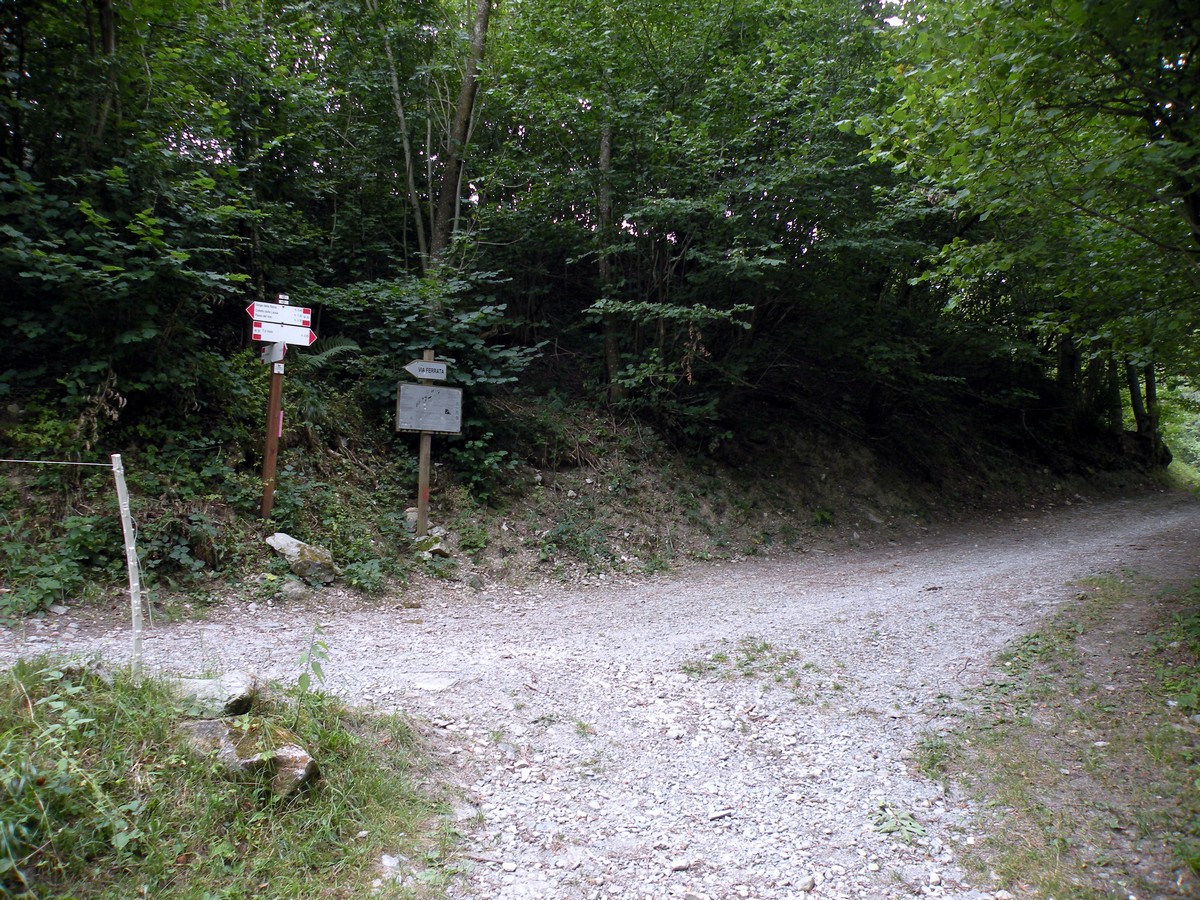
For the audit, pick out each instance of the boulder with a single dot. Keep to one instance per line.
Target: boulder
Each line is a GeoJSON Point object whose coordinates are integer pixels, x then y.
{"type": "Point", "coordinates": [312, 563]}
{"type": "Point", "coordinates": [232, 694]}
{"type": "Point", "coordinates": [248, 747]}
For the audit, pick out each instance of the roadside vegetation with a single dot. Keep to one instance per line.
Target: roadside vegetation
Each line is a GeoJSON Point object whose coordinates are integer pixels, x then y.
{"type": "Point", "coordinates": [100, 797]}
{"type": "Point", "coordinates": [1083, 748]}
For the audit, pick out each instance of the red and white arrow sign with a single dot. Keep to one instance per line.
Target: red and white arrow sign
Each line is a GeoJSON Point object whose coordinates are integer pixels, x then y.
{"type": "Point", "coordinates": [288, 334]}
{"type": "Point", "coordinates": [280, 314]}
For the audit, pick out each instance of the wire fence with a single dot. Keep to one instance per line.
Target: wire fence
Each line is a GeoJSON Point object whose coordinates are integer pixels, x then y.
{"type": "Point", "coordinates": [56, 462]}
{"type": "Point", "coordinates": [129, 534]}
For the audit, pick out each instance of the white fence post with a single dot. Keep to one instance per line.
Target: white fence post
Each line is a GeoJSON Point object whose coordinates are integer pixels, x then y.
{"type": "Point", "coordinates": [131, 562]}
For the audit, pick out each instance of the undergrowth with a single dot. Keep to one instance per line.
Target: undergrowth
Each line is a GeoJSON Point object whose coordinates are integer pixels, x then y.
{"type": "Point", "coordinates": [101, 798]}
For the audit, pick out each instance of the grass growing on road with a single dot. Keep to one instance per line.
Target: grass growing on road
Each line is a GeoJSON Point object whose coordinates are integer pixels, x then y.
{"type": "Point", "coordinates": [753, 657]}
{"type": "Point", "coordinates": [100, 798]}
{"type": "Point", "coordinates": [1084, 751]}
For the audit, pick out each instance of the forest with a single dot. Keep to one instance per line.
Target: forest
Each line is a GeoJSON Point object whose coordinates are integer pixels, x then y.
{"type": "Point", "coordinates": [945, 228]}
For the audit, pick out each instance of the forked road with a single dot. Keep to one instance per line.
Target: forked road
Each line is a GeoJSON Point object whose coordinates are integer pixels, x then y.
{"type": "Point", "coordinates": [610, 745]}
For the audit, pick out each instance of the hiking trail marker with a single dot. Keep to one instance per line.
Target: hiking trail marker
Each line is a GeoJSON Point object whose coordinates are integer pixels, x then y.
{"type": "Point", "coordinates": [277, 324]}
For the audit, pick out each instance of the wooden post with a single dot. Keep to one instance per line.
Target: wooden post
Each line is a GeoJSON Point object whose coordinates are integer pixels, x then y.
{"type": "Point", "coordinates": [131, 563]}
{"type": "Point", "coordinates": [274, 428]}
{"type": "Point", "coordinates": [423, 471]}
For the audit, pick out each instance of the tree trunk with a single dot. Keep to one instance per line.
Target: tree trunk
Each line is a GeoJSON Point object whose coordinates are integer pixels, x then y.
{"type": "Point", "coordinates": [612, 349]}
{"type": "Point", "coordinates": [1146, 415]}
{"type": "Point", "coordinates": [443, 218]}
{"type": "Point", "coordinates": [107, 51]}
{"type": "Point", "coordinates": [1068, 364]}
{"type": "Point", "coordinates": [1114, 406]}
{"type": "Point", "coordinates": [414, 199]}
{"type": "Point", "coordinates": [1137, 404]}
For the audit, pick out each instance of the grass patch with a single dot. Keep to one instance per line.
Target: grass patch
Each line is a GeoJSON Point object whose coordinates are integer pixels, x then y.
{"type": "Point", "coordinates": [101, 798]}
{"type": "Point", "coordinates": [1083, 751]}
{"type": "Point", "coordinates": [753, 657]}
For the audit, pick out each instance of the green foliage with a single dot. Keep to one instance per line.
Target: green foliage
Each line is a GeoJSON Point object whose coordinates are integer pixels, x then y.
{"type": "Point", "coordinates": [54, 566]}
{"type": "Point", "coordinates": [312, 666]}
{"type": "Point", "coordinates": [890, 819]}
{"type": "Point", "coordinates": [1068, 192]}
{"type": "Point", "coordinates": [486, 469]}
{"type": "Point", "coordinates": [366, 575]}
{"type": "Point", "coordinates": [1181, 421]}
{"type": "Point", "coordinates": [730, 262]}
{"type": "Point", "coordinates": [586, 541]}
{"type": "Point", "coordinates": [403, 317]}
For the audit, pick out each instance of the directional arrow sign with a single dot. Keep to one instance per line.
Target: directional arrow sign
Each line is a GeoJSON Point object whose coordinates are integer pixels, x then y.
{"type": "Point", "coordinates": [280, 314]}
{"type": "Point", "coordinates": [288, 334]}
{"type": "Point", "coordinates": [423, 368]}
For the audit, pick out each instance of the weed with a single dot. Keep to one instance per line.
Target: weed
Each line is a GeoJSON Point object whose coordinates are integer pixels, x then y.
{"type": "Point", "coordinates": [753, 657]}
{"type": "Point", "coordinates": [366, 575]}
{"type": "Point", "coordinates": [586, 542]}
{"type": "Point", "coordinates": [890, 819]}
{"type": "Point", "coordinates": [932, 755]}
{"type": "Point", "coordinates": [312, 665]}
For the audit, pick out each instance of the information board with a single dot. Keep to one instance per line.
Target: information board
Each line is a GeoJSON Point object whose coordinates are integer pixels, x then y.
{"type": "Point", "coordinates": [422, 407]}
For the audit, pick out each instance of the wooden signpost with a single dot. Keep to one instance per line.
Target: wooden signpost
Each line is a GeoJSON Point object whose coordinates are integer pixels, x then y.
{"type": "Point", "coordinates": [428, 409]}
{"type": "Point", "coordinates": [277, 324]}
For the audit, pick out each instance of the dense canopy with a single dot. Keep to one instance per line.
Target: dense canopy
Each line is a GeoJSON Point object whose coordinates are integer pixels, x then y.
{"type": "Point", "coordinates": [858, 216]}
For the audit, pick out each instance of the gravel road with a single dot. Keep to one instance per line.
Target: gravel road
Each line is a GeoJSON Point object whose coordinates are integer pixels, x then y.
{"type": "Point", "coordinates": [611, 746]}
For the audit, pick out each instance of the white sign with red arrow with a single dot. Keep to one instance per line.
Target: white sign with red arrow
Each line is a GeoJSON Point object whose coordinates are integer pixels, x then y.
{"type": "Point", "coordinates": [280, 314]}
{"type": "Point", "coordinates": [288, 334]}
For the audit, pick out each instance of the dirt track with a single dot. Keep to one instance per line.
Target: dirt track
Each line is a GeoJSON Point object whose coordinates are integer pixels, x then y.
{"type": "Point", "coordinates": [602, 769]}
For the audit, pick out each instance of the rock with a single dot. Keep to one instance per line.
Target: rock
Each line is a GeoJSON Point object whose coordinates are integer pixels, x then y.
{"type": "Point", "coordinates": [59, 610]}
{"type": "Point", "coordinates": [806, 884]}
{"type": "Point", "coordinates": [295, 591]}
{"type": "Point", "coordinates": [251, 747]}
{"type": "Point", "coordinates": [312, 563]}
{"type": "Point", "coordinates": [232, 694]}
{"type": "Point", "coordinates": [434, 683]}
{"type": "Point", "coordinates": [430, 546]}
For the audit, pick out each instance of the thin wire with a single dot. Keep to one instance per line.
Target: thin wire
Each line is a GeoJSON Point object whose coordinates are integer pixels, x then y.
{"type": "Point", "coordinates": [54, 462]}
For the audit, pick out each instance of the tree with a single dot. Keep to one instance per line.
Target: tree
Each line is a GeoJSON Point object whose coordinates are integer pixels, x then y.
{"type": "Point", "coordinates": [1067, 136]}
